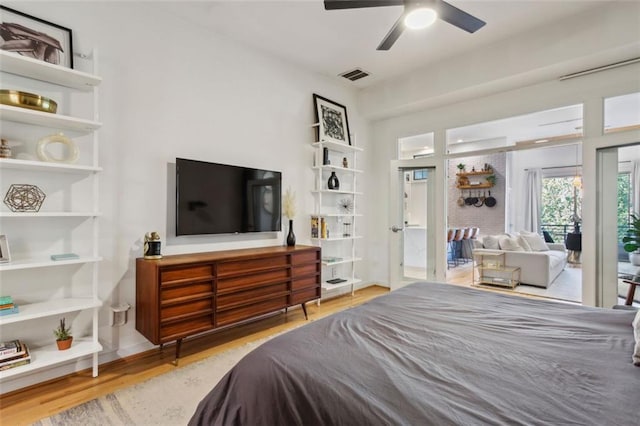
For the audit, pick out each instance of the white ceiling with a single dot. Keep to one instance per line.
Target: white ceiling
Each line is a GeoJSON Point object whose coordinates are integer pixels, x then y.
{"type": "Point", "coordinates": [332, 42]}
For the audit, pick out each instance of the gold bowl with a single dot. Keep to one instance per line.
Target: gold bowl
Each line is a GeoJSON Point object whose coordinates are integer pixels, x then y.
{"type": "Point", "coordinates": [27, 100]}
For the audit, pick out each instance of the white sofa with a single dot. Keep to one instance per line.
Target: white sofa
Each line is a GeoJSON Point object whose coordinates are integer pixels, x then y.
{"type": "Point", "coordinates": [538, 267]}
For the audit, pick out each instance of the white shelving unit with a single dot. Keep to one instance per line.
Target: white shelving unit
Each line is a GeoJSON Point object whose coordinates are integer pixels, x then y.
{"type": "Point", "coordinates": [60, 223]}
{"type": "Point", "coordinates": [339, 253]}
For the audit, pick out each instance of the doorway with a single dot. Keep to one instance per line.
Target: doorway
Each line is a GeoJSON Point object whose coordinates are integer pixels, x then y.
{"type": "Point", "coordinates": [412, 225]}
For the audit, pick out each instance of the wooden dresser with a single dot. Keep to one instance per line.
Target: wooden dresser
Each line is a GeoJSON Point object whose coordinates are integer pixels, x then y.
{"type": "Point", "coordinates": [182, 295]}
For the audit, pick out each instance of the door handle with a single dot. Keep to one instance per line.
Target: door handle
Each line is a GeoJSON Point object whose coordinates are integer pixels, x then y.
{"type": "Point", "coordinates": [395, 228]}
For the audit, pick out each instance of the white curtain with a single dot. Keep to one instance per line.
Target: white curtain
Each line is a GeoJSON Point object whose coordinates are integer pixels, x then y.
{"type": "Point", "coordinates": [635, 187]}
{"type": "Point", "coordinates": [532, 200]}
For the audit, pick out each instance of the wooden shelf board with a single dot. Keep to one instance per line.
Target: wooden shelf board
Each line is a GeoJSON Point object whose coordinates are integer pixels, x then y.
{"type": "Point", "coordinates": [481, 186]}
{"type": "Point", "coordinates": [50, 355]}
{"type": "Point", "coordinates": [51, 307]}
{"type": "Point", "coordinates": [43, 263]}
{"type": "Point", "coordinates": [14, 63]}
{"type": "Point", "coordinates": [12, 163]}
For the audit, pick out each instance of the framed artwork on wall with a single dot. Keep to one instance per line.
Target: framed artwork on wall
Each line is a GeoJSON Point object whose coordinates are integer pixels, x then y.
{"type": "Point", "coordinates": [333, 124]}
{"type": "Point", "coordinates": [4, 249]}
{"type": "Point", "coordinates": [36, 38]}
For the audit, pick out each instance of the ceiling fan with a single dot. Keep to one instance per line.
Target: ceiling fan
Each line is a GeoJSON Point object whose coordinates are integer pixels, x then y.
{"type": "Point", "coordinates": [426, 10]}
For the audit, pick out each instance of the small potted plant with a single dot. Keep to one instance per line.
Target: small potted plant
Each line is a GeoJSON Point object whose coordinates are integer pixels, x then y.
{"type": "Point", "coordinates": [632, 240]}
{"type": "Point", "coordinates": [491, 179]}
{"type": "Point", "coordinates": [63, 336]}
{"type": "Point", "coordinates": [461, 167]}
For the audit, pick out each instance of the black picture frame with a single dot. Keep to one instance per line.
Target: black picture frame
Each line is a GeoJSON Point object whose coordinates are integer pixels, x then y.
{"type": "Point", "coordinates": [332, 120]}
{"type": "Point", "coordinates": [36, 38]}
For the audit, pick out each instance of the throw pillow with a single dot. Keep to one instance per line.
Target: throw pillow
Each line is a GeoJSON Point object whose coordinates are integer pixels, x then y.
{"type": "Point", "coordinates": [491, 242]}
{"type": "Point", "coordinates": [636, 334]}
{"type": "Point", "coordinates": [509, 244]}
{"type": "Point", "coordinates": [523, 243]}
{"type": "Point", "coordinates": [536, 242]}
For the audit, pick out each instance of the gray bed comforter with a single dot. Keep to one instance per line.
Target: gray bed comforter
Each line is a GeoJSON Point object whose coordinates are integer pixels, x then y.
{"type": "Point", "coordinates": [437, 354]}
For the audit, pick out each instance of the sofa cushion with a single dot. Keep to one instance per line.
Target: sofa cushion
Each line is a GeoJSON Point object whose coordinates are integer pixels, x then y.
{"type": "Point", "coordinates": [535, 242]}
{"type": "Point", "coordinates": [509, 244]}
{"type": "Point", "coordinates": [491, 242]}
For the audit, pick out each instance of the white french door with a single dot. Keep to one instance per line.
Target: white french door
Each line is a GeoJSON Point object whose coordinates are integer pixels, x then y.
{"type": "Point", "coordinates": [412, 225]}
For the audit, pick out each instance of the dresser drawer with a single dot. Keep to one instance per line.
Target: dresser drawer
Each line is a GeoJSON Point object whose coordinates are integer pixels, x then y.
{"type": "Point", "coordinates": [308, 256]}
{"type": "Point", "coordinates": [245, 312]}
{"type": "Point", "coordinates": [226, 285]}
{"type": "Point", "coordinates": [186, 290]}
{"type": "Point", "coordinates": [300, 283]}
{"type": "Point", "coordinates": [186, 273]}
{"type": "Point", "coordinates": [186, 308]}
{"type": "Point", "coordinates": [309, 269]}
{"type": "Point", "coordinates": [239, 298]}
{"type": "Point", "coordinates": [304, 295]}
{"type": "Point", "coordinates": [178, 329]}
{"type": "Point", "coordinates": [244, 266]}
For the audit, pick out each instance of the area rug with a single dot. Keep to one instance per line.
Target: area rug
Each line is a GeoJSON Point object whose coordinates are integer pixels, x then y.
{"type": "Point", "coordinates": [567, 286]}
{"type": "Point", "coordinates": [168, 399]}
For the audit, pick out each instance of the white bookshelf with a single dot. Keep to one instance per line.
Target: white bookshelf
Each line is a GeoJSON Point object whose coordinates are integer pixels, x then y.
{"type": "Point", "coordinates": [33, 236]}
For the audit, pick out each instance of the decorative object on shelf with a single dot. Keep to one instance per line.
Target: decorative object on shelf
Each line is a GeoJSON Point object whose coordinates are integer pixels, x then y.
{"type": "Point", "coordinates": [64, 256]}
{"type": "Point", "coordinates": [346, 205]}
{"type": "Point", "coordinates": [346, 229]}
{"type": "Point", "coordinates": [324, 231]}
{"type": "Point", "coordinates": [333, 182]}
{"type": "Point", "coordinates": [345, 163]}
{"type": "Point", "coordinates": [152, 245]}
{"type": "Point", "coordinates": [5, 149]}
{"type": "Point", "coordinates": [632, 240]}
{"type": "Point", "coordinates": [24, 198]}
{"type": "Point", "coordinates": [20, 99]}
{"type": "Point", "coordinates": [315, 224]}
{"type": "Point", "coordinates": [63, 336]}
{"type": "Point", "coordinates": [325, 156]}
{"type": "Point", "coordinates": [5, 255]}
{"type": "Point", "coordinates": [7, 307]}
{"type": "Point", "coordinates": [36, 38]}
{"type": "Point", "coordinates": [461, 167]}
{"type": "Point", "coordinates": [289, 210]}
{"type": "Point", "coordinates": [333, 124]}
{"type": "Point", "coordinates": [491, 179]}
{"type": "Point", "coordinates": [71, 150]}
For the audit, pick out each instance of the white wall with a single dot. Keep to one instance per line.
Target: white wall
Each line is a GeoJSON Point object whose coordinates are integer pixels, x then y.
{"type": "Point", "coordinates": [171, 89]}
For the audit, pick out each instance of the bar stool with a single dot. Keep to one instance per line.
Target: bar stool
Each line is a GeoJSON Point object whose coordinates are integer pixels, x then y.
{"type": "Point", "coordinates": [450, 248]}
{"type": "Point", "coordinates": [465, 245]}
{"type": "Point", "coordinates": [457, 244]}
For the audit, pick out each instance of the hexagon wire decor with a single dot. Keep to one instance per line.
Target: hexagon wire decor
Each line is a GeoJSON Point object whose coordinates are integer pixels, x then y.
{"type": "Point", "coordinates": [24, 198]}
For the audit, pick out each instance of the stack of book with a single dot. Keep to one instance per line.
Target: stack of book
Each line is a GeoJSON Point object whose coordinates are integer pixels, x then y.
{"type": "Point", "coordinates": [13, 354]}
{"type": "Point", "coordinates": [7, 306]}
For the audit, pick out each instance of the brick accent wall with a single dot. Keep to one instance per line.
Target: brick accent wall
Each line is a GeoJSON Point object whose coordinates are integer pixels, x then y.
{"type": "Point", "coordinates": [490, 220]}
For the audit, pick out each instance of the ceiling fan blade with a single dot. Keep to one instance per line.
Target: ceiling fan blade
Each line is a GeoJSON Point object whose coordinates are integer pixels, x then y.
{"type": "Point", "coordinates": [355, 4]}
{"type": "Point", "coordinates": [393, 34]}
{"type": "Point", "coordinates": [457, 17]}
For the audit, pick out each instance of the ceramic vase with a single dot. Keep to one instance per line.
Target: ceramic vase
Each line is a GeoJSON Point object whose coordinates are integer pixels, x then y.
{"type": "Point", "coordinates": [291, 237]}
{"type": "Point", "coordinates": [333, 182]}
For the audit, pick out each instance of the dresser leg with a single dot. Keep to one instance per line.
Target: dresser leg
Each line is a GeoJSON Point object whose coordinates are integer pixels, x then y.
{"type": "Point", "coordinates": [304, 309]}
{"type": "Point", "coordinates": [178, 347]}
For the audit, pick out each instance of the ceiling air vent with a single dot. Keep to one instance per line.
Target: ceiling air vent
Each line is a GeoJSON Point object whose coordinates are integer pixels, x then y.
{"type": "Point", "coordinates": [354, 75]}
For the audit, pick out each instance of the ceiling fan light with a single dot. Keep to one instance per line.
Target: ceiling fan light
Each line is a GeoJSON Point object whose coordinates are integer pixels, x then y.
{"type": "Point", "coordinates": [420, 18]}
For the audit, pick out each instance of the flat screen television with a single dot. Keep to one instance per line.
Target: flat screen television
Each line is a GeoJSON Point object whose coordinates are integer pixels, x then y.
{"type": "Point", "coordinates": [214, 198]}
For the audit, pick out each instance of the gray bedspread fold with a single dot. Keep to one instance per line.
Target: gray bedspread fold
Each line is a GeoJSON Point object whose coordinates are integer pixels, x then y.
{"type": "Point", "coordinates": [439, 354]}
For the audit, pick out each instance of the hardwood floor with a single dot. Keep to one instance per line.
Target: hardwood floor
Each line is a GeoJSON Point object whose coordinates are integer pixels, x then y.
{"type": "Point", "coordinates": [28, 405]}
